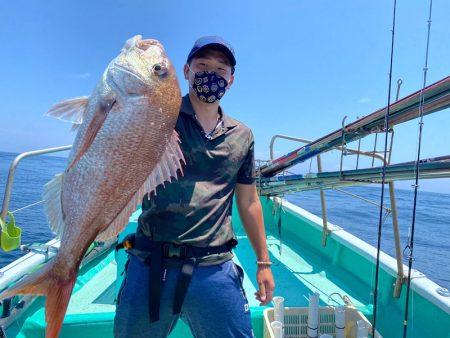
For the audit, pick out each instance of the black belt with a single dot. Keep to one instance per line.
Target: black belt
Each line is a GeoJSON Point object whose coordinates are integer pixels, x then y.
{"type": "Point", "coordinates": [156, 253]}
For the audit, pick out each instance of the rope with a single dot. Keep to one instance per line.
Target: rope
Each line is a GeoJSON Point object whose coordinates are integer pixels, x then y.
{"type": "Point", "coordinates": [388, 210]}
{"type": "Point", "coordinates": [383, 174]}
{"type": "Point", "coordinates": [410, 244]}
{"type": "Point", "coordinates": [27, 206]}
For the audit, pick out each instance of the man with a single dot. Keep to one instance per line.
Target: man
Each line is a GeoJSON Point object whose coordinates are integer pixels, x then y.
{"type": "Point", "coordinates": [181, 264]}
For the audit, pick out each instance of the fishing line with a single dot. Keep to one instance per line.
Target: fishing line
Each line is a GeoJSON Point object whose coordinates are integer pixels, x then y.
{"type": "Point", "coordinates": [416, 183]}
{"type": "Point", "coordinates": [27, 206]}
{"type": "Point", "coordinates": [383, 172]}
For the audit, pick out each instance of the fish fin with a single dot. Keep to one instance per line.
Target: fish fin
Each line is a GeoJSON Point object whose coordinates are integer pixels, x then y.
{"type": "Point", "coordinates": [71, 110]}
{"type": "Point", "coordinates": [44, 283]}
{"type": "Point", "coordinates": [53, 206]}
{"type": "Point", "coordinates": [167, 168]}
{"type": "Point", "coordinates": [95, 124]}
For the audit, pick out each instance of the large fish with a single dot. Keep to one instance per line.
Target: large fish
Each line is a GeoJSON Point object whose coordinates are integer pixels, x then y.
{"type": "Point", "coordinates": [125, 146]}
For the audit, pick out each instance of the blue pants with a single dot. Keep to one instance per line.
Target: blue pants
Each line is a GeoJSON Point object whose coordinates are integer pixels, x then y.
{"type": "Point", "coordinates": [215, 304]}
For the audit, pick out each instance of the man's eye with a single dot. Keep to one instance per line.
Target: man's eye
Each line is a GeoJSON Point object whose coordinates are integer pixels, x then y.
{"type": "Point", "coordinates": [221, 71]}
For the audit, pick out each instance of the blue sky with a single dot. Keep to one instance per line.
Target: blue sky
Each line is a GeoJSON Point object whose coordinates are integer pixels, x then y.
{"type": "Point", "coordinates": [301, 65]}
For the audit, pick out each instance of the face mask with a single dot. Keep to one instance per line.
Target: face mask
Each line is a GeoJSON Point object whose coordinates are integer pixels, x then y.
{"type": "Point", "coordinates": [209, 86]}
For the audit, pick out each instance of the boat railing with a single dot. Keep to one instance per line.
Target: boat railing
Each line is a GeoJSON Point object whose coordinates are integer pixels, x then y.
{"type": "Point", "coordinates": [351, 151]}
{"type": "Point", "coordinates": [12, 234]}
{"type": "Point", "coordinates": [435, 97]}
{"type": "Point", "coordinates": [12, 172]}
{"type": "Point", "coordinates": [393, 205]}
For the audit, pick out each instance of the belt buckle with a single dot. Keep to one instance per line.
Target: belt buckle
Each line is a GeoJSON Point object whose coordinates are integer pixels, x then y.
{"type": "Point", "coordinates": [173, 250]}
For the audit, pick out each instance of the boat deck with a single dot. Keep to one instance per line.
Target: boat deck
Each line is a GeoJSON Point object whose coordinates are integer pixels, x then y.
{"type": "Point", "coordinates": [302, 268]}
{"type": "Point", "coordinates": [297, 274]}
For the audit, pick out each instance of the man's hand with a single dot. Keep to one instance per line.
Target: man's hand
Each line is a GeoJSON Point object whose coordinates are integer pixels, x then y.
{"type": "Point", "coordinates": [266, 285]}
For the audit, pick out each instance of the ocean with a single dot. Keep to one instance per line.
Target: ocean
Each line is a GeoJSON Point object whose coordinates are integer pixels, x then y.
{"type": "Point", "coordinates": [432, 235]}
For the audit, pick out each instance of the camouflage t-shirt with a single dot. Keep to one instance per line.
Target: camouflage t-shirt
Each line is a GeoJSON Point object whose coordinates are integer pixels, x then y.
{"type": "Point", "coordinates": [196, 208]}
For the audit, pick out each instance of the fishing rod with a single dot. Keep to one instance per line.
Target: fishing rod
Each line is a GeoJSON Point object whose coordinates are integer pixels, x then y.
{"type": "Point", "coordinates": [410, 245]}
{"type": "Point", "coordinates": [383, 171]}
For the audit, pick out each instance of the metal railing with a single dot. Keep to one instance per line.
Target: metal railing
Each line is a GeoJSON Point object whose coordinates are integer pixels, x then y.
{"type": "Point", "coordinates": [393, 209]}
{"type": "Point", "coordinates": [325, 231]}
{"type": "Point", "coordinates": [12, 172]}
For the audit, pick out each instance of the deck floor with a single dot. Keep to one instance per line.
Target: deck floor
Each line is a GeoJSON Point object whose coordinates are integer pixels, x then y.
{"type": "Point", "coordinates": [296, 275]}
{"type": "Point", "coordinates": [98, 294]}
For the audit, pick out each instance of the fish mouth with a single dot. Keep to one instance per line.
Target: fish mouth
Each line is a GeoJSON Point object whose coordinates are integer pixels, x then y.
{"type": "Point", "coordinates": [128, 71]}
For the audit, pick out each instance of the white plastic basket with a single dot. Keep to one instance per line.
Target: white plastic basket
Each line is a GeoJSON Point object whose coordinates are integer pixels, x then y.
{"type": "Point", "coordinates": [296, 322]}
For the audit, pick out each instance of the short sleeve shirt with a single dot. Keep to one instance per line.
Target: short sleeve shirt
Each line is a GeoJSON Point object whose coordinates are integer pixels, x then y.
{"type": "Point", "coordinates": [196, 208]}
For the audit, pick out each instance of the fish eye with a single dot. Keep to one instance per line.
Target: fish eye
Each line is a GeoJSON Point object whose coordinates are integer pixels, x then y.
{"type": "Point", "coordinates": [159, 69]}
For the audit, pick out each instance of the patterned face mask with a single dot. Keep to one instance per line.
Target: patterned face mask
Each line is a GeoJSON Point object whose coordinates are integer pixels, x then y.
{"type": "Point", "coordinates": [209, 86]}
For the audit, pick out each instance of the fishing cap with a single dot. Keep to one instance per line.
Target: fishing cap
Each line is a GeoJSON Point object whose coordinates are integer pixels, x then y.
{"type": "Point", "coordinates": [215, 42]}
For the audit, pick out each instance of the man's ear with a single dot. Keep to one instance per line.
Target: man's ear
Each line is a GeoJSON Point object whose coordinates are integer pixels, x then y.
{"type": "Point", "coordinates": [231, 81]}
{"type": "Point", "coordinates": [186, 71]}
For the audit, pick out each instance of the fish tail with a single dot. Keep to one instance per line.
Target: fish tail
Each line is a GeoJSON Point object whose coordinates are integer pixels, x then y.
{"type": "Point", "coordinates": [45, 283]}
{"type": "Point", "coordinates": [33, 284]}
{"type": "Point", "coordinates": [58, 297]}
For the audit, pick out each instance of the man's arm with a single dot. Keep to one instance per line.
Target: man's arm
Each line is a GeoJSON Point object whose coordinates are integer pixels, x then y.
{"type": "Point", "coordinates": [250, 212]}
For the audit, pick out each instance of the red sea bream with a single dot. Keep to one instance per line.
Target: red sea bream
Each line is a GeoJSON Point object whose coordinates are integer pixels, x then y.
{"type": "Point", "coordinates": [124, 148]}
